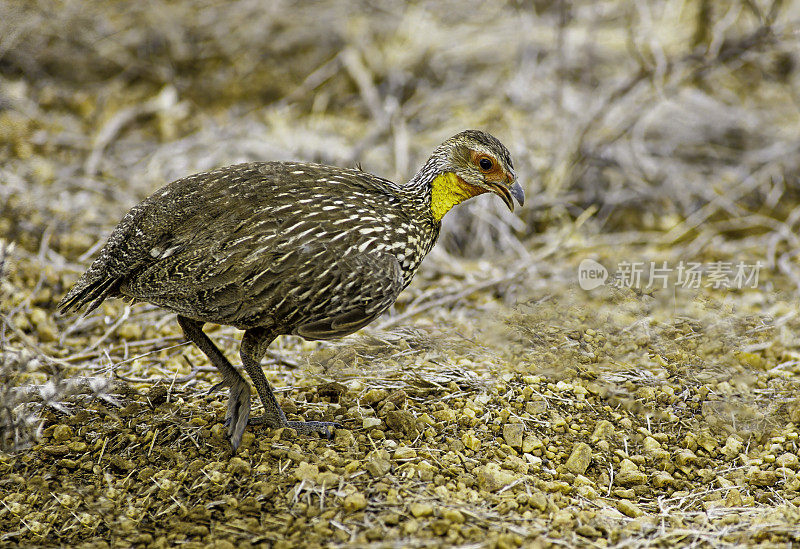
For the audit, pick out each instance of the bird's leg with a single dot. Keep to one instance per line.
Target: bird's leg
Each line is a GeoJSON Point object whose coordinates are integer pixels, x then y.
{"type": "Point", "coordinates": [254, 345]}
{"type": "Point", "coordinates": [239, 400]}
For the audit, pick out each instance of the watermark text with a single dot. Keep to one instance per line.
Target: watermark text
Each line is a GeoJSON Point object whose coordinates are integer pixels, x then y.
{"type": "Point", "coordinates": [654, 275]}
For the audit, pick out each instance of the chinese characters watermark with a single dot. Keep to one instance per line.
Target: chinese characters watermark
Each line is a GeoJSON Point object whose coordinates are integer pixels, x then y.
{"type": "Point", "coordinates": [649, 275]}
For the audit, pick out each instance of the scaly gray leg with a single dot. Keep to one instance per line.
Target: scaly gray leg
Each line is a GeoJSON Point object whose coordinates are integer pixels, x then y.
{"type": "Point", "coordinates": [254, 345]}
{"type": "Point", "coordinates": [239, 400]}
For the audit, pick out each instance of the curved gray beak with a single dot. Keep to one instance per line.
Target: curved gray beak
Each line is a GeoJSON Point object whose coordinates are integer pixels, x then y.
{"type": "Point", "coordinates": [518, 193]}
{"type": "Point", "coordinates": [506, 193]}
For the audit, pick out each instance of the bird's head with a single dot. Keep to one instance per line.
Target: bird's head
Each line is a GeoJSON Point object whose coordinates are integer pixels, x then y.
{"type": "Point", "coordinates": [468, 164]}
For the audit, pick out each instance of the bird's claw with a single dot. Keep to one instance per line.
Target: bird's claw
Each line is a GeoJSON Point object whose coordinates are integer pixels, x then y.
{"type": "Point", "coordinates": [217, 387]}
{"type": "Point", "coordinates": [321, 427]}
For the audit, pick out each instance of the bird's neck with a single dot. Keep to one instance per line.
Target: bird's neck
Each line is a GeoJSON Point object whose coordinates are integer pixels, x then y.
{"type": "Point", "coordinates": [448, 190]}
{"type": "Point", "coordinates": [442, 189]}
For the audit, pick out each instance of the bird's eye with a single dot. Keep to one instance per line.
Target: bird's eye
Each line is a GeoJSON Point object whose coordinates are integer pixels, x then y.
{"type": "Point", "coordinates": [485, 164]}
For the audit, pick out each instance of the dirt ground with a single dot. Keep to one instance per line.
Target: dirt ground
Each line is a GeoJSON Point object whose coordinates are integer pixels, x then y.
{"type": "Point", "coordinates": [616, 364]}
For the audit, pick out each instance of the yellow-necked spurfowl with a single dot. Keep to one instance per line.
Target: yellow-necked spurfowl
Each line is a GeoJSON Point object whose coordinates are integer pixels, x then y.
{"type": "Point", "coordinates": [278, 248]}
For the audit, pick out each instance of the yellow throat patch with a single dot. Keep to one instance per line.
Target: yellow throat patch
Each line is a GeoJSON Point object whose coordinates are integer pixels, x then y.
{"type": "Point", "coordinates": [448, 190]}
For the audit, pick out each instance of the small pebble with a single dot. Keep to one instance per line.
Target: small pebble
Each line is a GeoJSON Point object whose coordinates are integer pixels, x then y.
{"type": "Point", "coordinates": [492, 478]}
{"type": "Point", "coordinates": [471, 441]}
{"type": "Point", "coordinates": [370, 422]}
{"type": "Point", "coordinates": [306, 471]}
{"type": "Point", "coordinates": [238, 466]}
{"type": "Point", "coordinates": [579, 459]}
{"type": "Point", "coordinates": [374, 396]}
{"type": "Point", "coordinates": [404, 452]}
{"type": "Point", "coordinates": [788, 460]}
{"type": "Point", "coordinates": [421, 509]}
{"type": "Point", "coordinates": [512, 433]}
{"type": "Point", "coordinates": [629, 509]}
{"type": "Point", "coordinates": [629, 474]}
{"type": "Point", "coordinates": [401, 421]}
{"type": "Point", "coordinates": [354, 502]}
{"type": "Point", "coordinates": [62, 433]}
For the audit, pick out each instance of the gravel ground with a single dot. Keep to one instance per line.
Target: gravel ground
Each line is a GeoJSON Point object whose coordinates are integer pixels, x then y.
{"type": "Point", "coordinates": [568, 417]}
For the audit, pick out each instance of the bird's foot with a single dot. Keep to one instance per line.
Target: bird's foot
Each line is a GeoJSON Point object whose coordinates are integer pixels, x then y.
{"type": "Point", "coordinates": [321, 427]}
{"type": "Point", "coordinates": [303, 427]}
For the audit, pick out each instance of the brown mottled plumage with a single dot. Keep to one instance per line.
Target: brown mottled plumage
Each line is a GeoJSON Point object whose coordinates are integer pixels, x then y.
{"type": "Point", "coordinates": [286, 248]}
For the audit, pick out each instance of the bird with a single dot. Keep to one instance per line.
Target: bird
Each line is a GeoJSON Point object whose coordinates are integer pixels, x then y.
{"type": "Point", "coordinates": [286, 248]}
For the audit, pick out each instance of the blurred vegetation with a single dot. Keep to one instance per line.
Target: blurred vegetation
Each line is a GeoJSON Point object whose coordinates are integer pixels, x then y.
{"type": "Point", "coordinates": [653, 113]}
{"type": "Point", "coordinates": [659, 130]}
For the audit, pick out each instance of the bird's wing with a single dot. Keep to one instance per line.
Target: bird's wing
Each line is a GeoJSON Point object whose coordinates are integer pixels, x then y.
{"type": "Point", "coordinates": [365, 285]}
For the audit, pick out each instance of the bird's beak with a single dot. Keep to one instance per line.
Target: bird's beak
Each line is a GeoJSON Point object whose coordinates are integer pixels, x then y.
{"type": "Point", "coordinates": [506, 193]}
{"type": "Point", "coordinates": [518, 193]}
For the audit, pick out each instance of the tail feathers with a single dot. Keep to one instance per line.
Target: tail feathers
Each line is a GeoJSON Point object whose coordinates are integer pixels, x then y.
{"type": "Point", "coordinates": [91, 292]}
